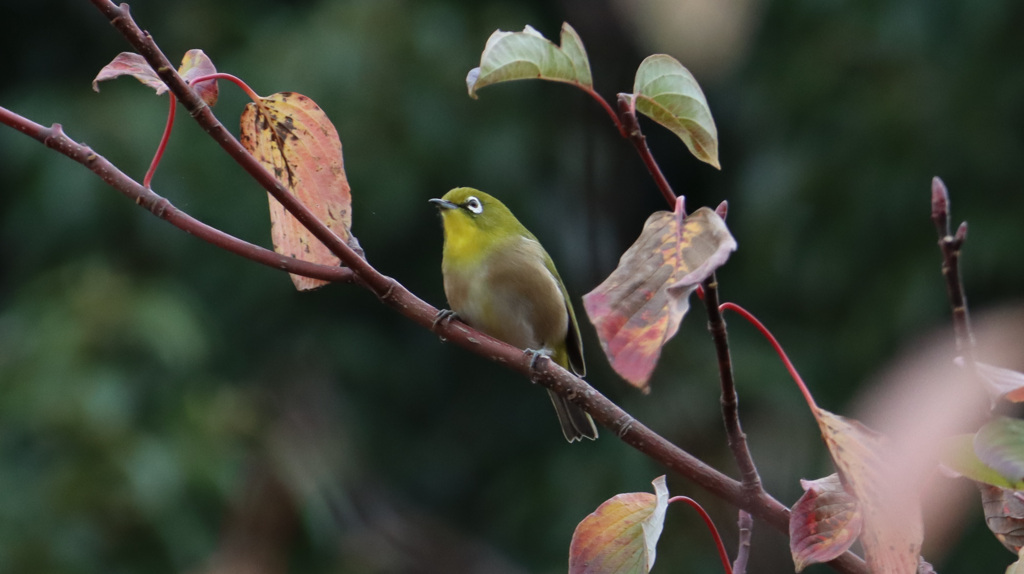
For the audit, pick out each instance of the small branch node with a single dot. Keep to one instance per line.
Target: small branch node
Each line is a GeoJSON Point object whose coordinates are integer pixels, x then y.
{"type": "Point", "coordinates": [961, 234]}
{"type": "Point", "coordinates": [389, 294]}
{"type": "Point", "coordinates": [627, 114]}
{"type": "Point", "coordinates": [201, 107]}
{"type": "Point", "coordinates": [623, 425]}
{"type": "Point", "coordinates": [161, 207]}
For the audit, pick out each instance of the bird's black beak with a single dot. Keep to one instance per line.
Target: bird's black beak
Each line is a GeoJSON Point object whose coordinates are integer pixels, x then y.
{"type": "Point", "coordinates": [443, 204]}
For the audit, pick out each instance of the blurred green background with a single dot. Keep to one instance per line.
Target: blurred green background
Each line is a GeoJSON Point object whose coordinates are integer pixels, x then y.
{"type": "Point", "coordinates": [167, 407]}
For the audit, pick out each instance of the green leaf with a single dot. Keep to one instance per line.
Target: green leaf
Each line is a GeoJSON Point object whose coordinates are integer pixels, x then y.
{"type": "Point", "coordinates": [666, 92]}
{"type": "Point", "coordinates": [528, 55]}
{"type": "Point", "coordinates": [960, 457]}
{"type": "Point", "coordinates": [1000, 444]}
{"type": "Point", "coordinates": [620, 536]}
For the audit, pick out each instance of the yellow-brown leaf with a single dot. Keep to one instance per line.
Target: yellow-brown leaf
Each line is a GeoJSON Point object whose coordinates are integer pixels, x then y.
{"type": "Point", "coordinates": [621, 536]}
{"type": "Point", "coordinates": [292, 137]}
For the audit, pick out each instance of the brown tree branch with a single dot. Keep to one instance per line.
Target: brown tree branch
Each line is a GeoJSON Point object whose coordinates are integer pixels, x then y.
{"type": "Point", "coordinates": [730, 401]}
{"type": "Point", "coordinates": [55, 138]}
{"type": "Point", "coordinates": [629, 127]}
{"type": "Point", "coordinates": [950, 245]}
{"type": "Point", "coordinates": [735, 436]}
{"type": "Point", "coordinates": [628, 429]}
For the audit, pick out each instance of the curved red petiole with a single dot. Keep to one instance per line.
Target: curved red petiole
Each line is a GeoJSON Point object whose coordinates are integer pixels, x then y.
{"type": "Point", "coordinates": [711, 528]}
{"type": "Point", "coordinates": [608, 109]}
{"type": "Point", "coordinates": [163, 144]}
{"type": "Point", "coordinates": [170, 118]}
{"type": "Point", "coordinates": [233, 79]}
{"type": "Point", "coordinates": [775, 344]}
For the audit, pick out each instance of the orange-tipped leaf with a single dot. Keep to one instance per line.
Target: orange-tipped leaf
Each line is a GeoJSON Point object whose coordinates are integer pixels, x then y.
{"type": "Point", "coordinates": [293, 138]}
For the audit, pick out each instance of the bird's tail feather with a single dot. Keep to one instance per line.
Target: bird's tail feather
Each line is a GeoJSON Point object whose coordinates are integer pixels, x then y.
{"type": "Point", "coordinates": [576, 422]}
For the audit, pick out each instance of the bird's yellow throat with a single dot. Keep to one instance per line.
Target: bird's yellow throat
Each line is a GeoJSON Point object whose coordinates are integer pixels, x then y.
{"type": "Point", "coordinates": [464, 241]}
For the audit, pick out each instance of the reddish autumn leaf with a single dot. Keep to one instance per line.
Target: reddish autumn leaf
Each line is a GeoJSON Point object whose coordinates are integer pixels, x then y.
{"type": "Point", "coordinates": [824, 523]}
{"type": "Point", "coordinates": [892, 529]}
{"type": "Point", "coordinates": [1004, 514]}
{"type": "Point", "coordinates": [620, 536]}
{"type": "Point", "coordinates": [292, 137]}
{"type": "Point", "coordinates": [638, 308]}
{"type": "Point", "coordinates": [130, 64]}
{"type": "Point", "coordinates": [193, 65]}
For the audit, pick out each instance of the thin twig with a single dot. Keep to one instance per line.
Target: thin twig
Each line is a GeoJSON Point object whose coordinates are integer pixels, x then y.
{"type": "Point", "coordinates": [722, 554]}
{"type": "Point", "coordinates": [730, 414]}
{"type": "Point", "coordinates": [730, 401]}
{"type": "Point", "coordinates": [746, 531]}
{"type": "Point", "coordinates": [950, 244]}
{"type": "Point", "coordinates": [630, 128]}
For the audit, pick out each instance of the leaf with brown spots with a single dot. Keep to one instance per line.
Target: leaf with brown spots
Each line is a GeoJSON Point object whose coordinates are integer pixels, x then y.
{"type": "Point", "coordinates": [195, 64]}
{"type": "Point", "coordinates": [824, 523]}
{"type": "Point", "coordinates": [620, 537]}
{"type": "Point", "coordinates": [638, 308]}
{"type": "Point", "coordinates": [292, 137]}
{"type": "Point", "coordinates": [893, 530]}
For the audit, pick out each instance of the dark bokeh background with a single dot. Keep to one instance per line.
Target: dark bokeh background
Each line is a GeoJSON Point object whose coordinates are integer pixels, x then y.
{"type": "Point", "coordinates": [167, 407]}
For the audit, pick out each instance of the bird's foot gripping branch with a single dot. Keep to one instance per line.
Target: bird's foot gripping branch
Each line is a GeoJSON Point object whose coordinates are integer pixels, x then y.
{"type": "Point", "coordinates": [292, 150]}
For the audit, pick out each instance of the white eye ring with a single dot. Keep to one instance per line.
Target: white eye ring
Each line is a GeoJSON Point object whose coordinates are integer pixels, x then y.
{"type": "Point", "coordinates": [473, 205]}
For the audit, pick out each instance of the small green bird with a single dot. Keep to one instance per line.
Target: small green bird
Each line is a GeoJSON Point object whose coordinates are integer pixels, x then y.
{"type": "Point", "coordinates": [499, 279]}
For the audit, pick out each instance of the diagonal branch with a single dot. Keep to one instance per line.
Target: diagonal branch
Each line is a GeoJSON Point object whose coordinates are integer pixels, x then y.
{"type": "Point", "coordinates": [628, 429]}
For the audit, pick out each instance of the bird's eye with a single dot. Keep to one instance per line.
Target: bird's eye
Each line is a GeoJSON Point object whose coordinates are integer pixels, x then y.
{"type": "Point", "coordinates": [473, 205]}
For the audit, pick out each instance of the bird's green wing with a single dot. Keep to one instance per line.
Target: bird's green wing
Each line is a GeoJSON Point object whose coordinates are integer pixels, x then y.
{"type": "Point", "coordinates": [573, 341]}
